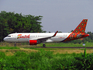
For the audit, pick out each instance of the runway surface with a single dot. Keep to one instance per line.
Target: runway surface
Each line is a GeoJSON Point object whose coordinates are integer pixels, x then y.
{"type": "Point", "coordinates": [61, 47]}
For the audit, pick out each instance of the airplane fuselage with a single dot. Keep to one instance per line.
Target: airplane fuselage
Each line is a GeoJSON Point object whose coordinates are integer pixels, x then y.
{"type": "Point", "coordinates": [25, 37]}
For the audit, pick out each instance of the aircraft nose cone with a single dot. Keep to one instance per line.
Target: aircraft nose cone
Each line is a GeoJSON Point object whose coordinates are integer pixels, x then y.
{"type": "Point", "coordinates": [4, 39]}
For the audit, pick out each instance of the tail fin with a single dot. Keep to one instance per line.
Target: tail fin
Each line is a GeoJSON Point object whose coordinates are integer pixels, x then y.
{"type": "Point", "coordinates": [81, 27]}
{"type": "Point", "coordinates": [79, 32]}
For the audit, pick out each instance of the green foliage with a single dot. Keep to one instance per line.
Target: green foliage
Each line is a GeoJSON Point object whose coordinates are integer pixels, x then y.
{"type": "Point", "coordinates": [63, 63]}
{"type": "Point", "coordinates": [90, 37]}
{"type": "Point", "coordinates": [9, 48]}
{"type": "Point", "coordinates": [84, 63]}
{"type": "Point", "coordinates": [46, 60]}
{"type": "Point", "coordinates": [2, 55]}
{"type": "Point", "coordinates": [11, 22]}
{"type": "Point", "coordinates": [79, 41]}
{"type": "Point", "coordinates": [2, 61]}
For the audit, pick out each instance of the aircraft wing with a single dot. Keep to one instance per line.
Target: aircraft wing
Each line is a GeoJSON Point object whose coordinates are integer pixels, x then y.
{"type": "Point", "coordinates": [43, 39]}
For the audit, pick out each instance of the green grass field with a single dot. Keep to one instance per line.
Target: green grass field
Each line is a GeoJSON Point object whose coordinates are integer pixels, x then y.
{"type": "Point", "coordinates": [45, 60]}
{"type": "Point", "coordinates": [88, 44]}
{"type": "Point", "coordinates": [18, 58]}
{"type": "Point", "coordinates": [30, 48]}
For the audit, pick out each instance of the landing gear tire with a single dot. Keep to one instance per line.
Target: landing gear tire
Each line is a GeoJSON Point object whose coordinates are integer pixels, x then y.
{"type": "Point", "coordinates": [15, 44]}
{"type": "Point", "coordinates": [44, 45]}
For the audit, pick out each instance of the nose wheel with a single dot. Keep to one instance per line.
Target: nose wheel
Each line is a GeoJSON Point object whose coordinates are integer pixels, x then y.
{"type": "Point", "coordinates": [15, 44]}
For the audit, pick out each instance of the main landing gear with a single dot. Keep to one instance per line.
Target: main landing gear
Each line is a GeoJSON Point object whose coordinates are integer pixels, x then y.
{"type": "Point", "coordinates": [44, 45]}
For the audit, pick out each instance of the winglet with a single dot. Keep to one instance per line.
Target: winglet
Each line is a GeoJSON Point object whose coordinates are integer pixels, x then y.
{"type": "Point", "coordinates": [55, 34]}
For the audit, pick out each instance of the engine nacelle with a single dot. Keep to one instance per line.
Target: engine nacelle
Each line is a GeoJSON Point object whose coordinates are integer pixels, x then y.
{"type": "Point", "coordinates": [32, 42]}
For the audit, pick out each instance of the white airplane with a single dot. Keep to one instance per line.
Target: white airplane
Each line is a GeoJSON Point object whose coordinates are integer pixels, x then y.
{"type": "Point", "coordinates": [36, 38]}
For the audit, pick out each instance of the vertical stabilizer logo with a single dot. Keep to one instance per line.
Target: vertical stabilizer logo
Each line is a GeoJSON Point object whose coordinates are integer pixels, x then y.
{"type": "Point", "coordinates": [23, 36]}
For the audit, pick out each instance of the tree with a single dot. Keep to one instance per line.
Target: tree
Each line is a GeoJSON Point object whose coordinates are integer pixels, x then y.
{"type": "Point", "coordinates": [4, 28]}
{"type": "Point", "coordinates": [11, 22]}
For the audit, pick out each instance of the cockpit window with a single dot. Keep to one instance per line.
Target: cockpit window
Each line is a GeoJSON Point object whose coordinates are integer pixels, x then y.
{"type": "Point", "coordinates": [9, 36]}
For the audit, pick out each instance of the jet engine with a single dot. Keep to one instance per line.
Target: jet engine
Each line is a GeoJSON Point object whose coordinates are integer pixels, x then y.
{"type": "Point", "coordinates": [33, 42]}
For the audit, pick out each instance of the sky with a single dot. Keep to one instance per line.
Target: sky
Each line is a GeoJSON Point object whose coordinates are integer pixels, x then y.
{"type": "Point", "coordinates": [61, 15]}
